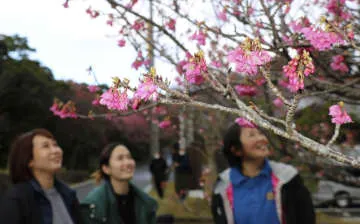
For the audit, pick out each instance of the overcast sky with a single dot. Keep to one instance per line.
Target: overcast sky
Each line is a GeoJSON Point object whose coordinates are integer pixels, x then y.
{"type": "Point", "coordinates": [68, 40]}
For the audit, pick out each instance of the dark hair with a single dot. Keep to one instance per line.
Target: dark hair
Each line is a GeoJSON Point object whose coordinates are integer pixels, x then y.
{"type": "Point", "coordinates": [232, 140]}
{"type": "Point", "coordinates": [104, 160]}
{"type": "Point", "coordinates": [21, 153]}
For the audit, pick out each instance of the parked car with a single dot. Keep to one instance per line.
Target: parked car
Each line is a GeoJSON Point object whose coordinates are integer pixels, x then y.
{"type": "Point", "coordinates": [334, 193]}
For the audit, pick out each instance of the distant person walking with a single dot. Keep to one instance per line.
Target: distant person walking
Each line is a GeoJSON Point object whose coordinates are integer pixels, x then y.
{"type": "Point", "coordinates": [159, 169]}
{"type": "Point", "coordinates": [183, 172]}
{"type": "Point", "coordinates": [37, 197]}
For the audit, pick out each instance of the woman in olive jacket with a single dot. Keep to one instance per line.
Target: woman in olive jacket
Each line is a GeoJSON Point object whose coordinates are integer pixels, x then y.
{"type": "Point", "coordinates": [117, 200]}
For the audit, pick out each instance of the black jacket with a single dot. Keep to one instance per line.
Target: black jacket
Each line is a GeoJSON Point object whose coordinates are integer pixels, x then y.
{"type": "Point", "coordinates": [24, 203]}
{"type": "Point", "coordinates": [293, 200]}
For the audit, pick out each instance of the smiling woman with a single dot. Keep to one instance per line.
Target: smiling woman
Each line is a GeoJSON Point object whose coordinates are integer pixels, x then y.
{"type": "Point", "coordinates": [117, 200]}
{"type": "Point", "coordinates": [37, 196]}
{"type": "Point", "coordinates": [254, 189]}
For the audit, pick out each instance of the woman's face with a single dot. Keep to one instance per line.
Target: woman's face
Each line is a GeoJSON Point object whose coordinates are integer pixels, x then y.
{"type": "Point", "coordinates": [255, 144]}
{"type": "Point", "coordinates": [121, 164]}
{"type": "Point", "coordinates": [47, 155]}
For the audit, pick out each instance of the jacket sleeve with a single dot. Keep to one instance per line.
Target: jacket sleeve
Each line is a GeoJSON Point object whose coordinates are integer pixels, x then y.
{"type": "Point", "coordinates": [10, 210]}
{"type": "Point", "coordinates": [304, 207]}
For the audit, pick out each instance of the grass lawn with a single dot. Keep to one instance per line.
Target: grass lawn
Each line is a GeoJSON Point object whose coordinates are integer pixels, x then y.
{"type": "Point", "coordinates": [324, 219]}
{"type": "Point", "coordinates": [191, 208]}
{"type": "Point", "coordinates": [194, 208]}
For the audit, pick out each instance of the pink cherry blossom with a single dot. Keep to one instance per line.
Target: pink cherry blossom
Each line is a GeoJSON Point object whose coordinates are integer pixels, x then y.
{"type": "Point", "coordinates": [121, 43]}
{"type": "Point", "coordinates": [135, 104]}
{"type": "Point", "coordinates": [180, 66]}
{"type": "Point", "coordinates": [283, 83]}
{"type": "Point", "coordinates": [147, 90]}
{"type": "Point", "coordinates": [171, 24]}
{"type": "Point", "coordinates": [96, 102]}
{"type": "Point", "coordinates": [337, 8]}
{"type": "Point", "coordinates": [93, 88]}
{"type": "Point", "coordinates": [287, 40]}
{"type": "Point", "coordinates": [195, 69]}
{"type": "Point", "coordinates": [300, 66]}
{"type": "Point", "coordinates": [250, 10]}
{"type": "Point", "coordinates": [246, 90]}
{"type": "Point", "coordinates": [113, 99]}
{"type": "Point", "coordinates": [278, 102]}
{"type": "Point", "coordinates": [260, 81]}
{"type": "Point", "coordinates": [88, 10]}
{"type": "Point", "coordinates": [222, 15]}
{"type": "Point", "coordinates": [321, 40]}
{"type": "Point", "coordinates": [110, 21]}
{"type": "Point", "coordinates": [199, 36]}
{"type": "Point", "coordinates": [337, 64]}
{"type": "Point", "coordinates": [165, 124]}
{"type": "Point", "coordinates": [55, 107]}
{"type": "Point", "coordinates": [131, 4]}
{"type": "Point", "coordinates": [248, 61]}
{"type": "Point", "coordinates": [179, 80]}
{"type": "Point", "coordinates": [147, 62]}
{"type": "Point", "coordinates": [66, 111]}
{"type": "Point", "coordinates": [92, 13]}
{"type": "Point", "coordinates": [66, 4]}
{"type": "Point", "coordinates": [138, 25]}
{"type": "Point", "coordinates": [243, 122]}
{"type": "Point", "coordinates": [236, 11]}
{"type": "Point", "coordinates": [137, 64]}
{"type": "Point", "coordinates": [338, 114]}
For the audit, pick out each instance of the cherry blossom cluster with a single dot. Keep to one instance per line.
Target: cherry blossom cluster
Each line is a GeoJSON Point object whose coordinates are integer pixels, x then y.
{"type": "Point", "coordinates": [300, 66]}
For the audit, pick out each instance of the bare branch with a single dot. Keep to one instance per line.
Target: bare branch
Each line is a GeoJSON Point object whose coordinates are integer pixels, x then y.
{"type": "Point", "coordinates": [334, 137]}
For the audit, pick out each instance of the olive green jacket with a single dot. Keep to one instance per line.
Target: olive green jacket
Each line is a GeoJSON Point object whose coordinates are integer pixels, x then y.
{"type": "Point", "coordinates": [100, 206]}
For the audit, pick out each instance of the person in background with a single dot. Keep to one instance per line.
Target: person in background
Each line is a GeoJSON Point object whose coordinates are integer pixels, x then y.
{"type": "Point", "coordinates": [255, 190]}
{"type": "Point", "coordinates": [37, 197]}
{"type": "Point", "coordinates": [116, 199]}
{"type": "Point", "coordinates": [159, 169]}
{"type": "Point", "coordinates": [183, 173]}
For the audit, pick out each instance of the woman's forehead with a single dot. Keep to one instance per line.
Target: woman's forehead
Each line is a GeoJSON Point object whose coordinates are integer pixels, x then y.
{"type": "Point", "coordinates": [120, 150]}
{"type": "Point", "coordinates": [41, 138]}
{"type": "Point", "coordinates": [248, 130]}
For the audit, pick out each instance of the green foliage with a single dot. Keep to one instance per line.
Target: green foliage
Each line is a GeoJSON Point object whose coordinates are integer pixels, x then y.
{"type": "Point", "coordinates": [17, 45]}
{"type": "Point", "coordinates": [27, 90]}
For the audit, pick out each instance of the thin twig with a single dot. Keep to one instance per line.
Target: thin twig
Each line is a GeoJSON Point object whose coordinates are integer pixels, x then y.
{"type": "Point", "coordinates": [334, 137]}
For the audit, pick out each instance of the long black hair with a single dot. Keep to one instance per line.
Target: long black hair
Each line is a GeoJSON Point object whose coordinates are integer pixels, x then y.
{"type": "Point", "coordinates": [104, 160]}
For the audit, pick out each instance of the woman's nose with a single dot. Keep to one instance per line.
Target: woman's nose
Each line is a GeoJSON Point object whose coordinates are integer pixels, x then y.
{"type": "Point", "coordinates": [263, 138]}
{"type": "Point", "coordinates": [56, 149]}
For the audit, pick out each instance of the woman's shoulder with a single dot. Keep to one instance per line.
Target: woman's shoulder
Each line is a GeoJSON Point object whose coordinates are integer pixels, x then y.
{"type": "Point", "coordinates": [95, 195]}
{"type": "Point", "coordinates": [283, 171]}
{"type": "Point", "coordinates": [18, 190]}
